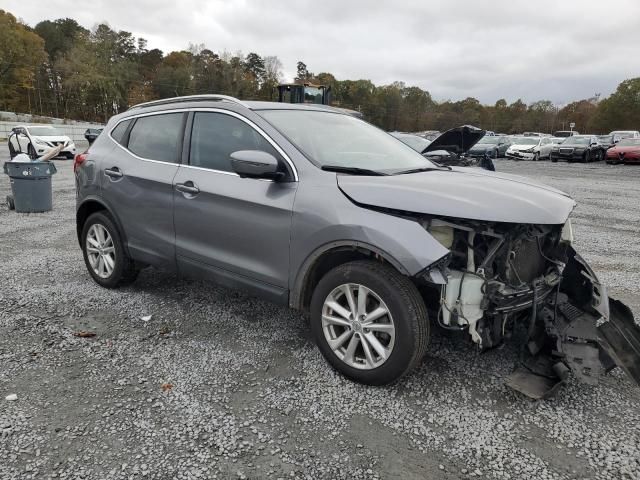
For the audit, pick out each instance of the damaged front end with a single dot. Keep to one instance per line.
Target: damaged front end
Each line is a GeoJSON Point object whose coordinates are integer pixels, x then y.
{"type": "Point", "coordinates": [500, 276]}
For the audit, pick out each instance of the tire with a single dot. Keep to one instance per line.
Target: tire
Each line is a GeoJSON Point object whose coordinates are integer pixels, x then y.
{"type": "Point", "coordinates": [124, 269]}
{"type": "Point", "coordinates": [536, 157]}
{"type": "Point", "coordinates": [587, 156]}
{"type": "Point", "coordinates": [10, 203]}
{"type": "Point", "coordinates": [495, 154]}
{"type": "Point", "coordinates": [387, 289]}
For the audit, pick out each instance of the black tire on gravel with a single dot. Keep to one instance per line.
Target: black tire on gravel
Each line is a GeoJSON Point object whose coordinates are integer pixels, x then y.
{"type": "Point", "coordinates": [587, 156]}
{"type": "Point", "coordinates": [125, 270]}
{"type": "Point", "coordinates": [405, 305]}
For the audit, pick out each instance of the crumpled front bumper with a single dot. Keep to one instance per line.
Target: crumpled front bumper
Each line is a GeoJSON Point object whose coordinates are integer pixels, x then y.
{"type": "Point", "coordinates": [579, 330]}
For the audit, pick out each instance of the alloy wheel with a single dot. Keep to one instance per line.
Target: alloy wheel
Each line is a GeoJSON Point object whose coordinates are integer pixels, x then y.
{"type": "Point", "coordinates": [100, 251]}
{"type": "Point", "coordinates": [358, 326]}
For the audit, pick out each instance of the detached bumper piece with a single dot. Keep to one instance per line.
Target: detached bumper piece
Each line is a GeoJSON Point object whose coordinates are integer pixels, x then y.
{"type": "Point", "coordinates": [564, 337]}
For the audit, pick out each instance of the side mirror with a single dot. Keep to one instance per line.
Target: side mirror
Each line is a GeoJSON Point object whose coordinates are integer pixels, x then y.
{"type": "Point", "coordinates": [255, 164]}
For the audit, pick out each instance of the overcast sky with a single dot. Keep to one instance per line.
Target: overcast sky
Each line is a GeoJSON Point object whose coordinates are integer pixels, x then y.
{"type": "Point", "coordinates": [537, 49]}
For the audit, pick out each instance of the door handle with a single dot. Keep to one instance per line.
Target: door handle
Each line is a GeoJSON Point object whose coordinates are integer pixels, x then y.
{"type": "Point", "coordinates": [113, 172]}
{"type": "Point", "coordinates": [187, 187]}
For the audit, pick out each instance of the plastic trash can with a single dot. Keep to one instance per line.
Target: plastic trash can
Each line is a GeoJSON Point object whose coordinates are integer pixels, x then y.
{"type": "Point", "coordinates": [30, 185]}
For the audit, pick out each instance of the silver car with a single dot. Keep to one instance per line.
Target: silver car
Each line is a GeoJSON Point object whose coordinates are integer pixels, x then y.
{"type": "Point", "coordinates": [309, 207]}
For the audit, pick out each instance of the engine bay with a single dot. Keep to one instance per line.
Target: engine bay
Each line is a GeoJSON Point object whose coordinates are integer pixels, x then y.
{"type": "Point", "coordinates": [500, 276]}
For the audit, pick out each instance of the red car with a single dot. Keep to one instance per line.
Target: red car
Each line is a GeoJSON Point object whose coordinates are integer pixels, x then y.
{"type": "Point", "coordinates": [626, 150]}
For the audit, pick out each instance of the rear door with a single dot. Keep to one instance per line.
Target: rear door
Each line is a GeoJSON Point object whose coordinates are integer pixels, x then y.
{"type": "Point", "coordinates": [230, 229]}
{"type": "Point", "coordinates": [137, 183]}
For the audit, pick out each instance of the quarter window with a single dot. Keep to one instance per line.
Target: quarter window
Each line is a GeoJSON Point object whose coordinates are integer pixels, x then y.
{"type": "Point", "coordinates": [157, 137]}
{"type": "Point", "coordinates": [215, 136]}
{"type": "Point", "coordinates": [118, 133]}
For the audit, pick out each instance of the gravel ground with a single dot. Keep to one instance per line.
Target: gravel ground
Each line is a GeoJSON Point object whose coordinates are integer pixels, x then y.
{"type": "Point", "coordinates": [220, 385]}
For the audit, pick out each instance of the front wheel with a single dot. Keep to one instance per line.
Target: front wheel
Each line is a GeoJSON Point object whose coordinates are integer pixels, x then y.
{"type": "Point", "coordinates": [369, 322]}
{"type": "Point", "coordinates": [536, 156]}
{"type": "Point", "coordinates": [587, 156]}
{"type": "Point", "coordinates": [104, 254]}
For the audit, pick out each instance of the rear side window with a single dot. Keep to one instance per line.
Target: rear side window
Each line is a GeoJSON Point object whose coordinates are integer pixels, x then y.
{"type": "Point", "coordinates": [118, 133]}
{"type": "Point", "coordinates": [157, 137]}
{"type": "Point", "coordinates": [215, 136]}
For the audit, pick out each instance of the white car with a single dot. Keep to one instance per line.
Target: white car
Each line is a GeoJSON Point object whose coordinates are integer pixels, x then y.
{"type": "Point", "coordinates": [620, 134]}
{"type": "Point", "coordinates": [37, 140]}
{"type": "Point", "coordinates": [530, 148]}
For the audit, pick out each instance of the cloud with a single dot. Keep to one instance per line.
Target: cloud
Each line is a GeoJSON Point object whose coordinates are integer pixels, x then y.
{"type": "Point", "coordinates": [510, 49]}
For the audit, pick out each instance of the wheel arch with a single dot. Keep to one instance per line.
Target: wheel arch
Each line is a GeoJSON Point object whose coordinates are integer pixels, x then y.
{"type": "Point", "coordinates": [329, 256]}
{"type": "Point", "coordinates": [90, 206]}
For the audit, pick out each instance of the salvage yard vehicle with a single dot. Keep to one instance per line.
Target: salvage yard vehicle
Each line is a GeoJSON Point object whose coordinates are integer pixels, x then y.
{"type": "Point", "coordinates": [38, 140]}
{"type": "Point", "coordinates": [492, 145]}
{"type": "Point", "coordinates": [565, 133]}
{"type": "Point", "coordinates": [530, 148]}
{"type": "Point", "coordinates": [90, 134]}
{"type": "Point", "coordinates": [313, 208]}
{"type": "Point", "coordinates": [578, 148]}
{"type": "Point", "coordinates": [625, 151]}
{"type": "Point", "coordinates": [625, 134]}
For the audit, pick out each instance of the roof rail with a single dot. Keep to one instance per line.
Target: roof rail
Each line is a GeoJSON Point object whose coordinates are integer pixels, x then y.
{"type": "Point", "coordinates": [190, 98]}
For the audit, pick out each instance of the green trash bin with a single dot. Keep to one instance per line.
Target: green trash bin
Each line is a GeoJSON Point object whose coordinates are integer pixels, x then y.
{"type": "Point", "coordinates": [30, 185]}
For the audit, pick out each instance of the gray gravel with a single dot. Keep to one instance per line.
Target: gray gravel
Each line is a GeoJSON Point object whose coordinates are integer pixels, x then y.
{"type": "Point", "coordinates": [250, 395]}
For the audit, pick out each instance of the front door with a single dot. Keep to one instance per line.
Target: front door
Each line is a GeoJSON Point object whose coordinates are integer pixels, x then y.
{"type": "Point", "coordinates": [230, 229]}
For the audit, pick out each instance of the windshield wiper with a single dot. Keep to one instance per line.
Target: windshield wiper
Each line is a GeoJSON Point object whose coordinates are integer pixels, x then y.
{"type": "Point", "coordinates": [424, 169]}
{"type": "Point", "coordinates": [352, 170]}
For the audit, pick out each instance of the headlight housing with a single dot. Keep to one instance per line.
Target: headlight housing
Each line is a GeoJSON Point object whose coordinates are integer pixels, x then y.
{"type": "Point", "coordinates": [567, 232]}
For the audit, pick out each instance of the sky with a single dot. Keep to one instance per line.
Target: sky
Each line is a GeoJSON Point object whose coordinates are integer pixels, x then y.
{"type": "Point", "coordinates": [560, 50]}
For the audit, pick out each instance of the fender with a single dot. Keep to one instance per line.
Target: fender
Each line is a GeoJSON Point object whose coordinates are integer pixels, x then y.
{"type": "Point", "coordinates": [302, 276]}
{"type": "Point", "coordinates": [111, 211]}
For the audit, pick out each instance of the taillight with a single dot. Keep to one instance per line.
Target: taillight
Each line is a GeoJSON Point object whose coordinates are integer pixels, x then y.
{"type": "Point", "coordinates": [79, 160]}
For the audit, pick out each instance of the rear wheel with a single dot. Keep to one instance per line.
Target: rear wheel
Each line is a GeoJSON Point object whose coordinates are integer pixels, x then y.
{"type": "Point", "coordinates": [104, 254]}
{"type": "Point", "coordinates": [369, 322]}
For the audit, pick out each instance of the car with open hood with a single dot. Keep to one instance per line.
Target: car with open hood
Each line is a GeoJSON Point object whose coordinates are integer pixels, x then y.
{"type": "Point", "coordinates": [318, 210]}
{"type": "Point", "coordinates": [625, 151]}
{"type": "Point", "coordinates": [38, 140]}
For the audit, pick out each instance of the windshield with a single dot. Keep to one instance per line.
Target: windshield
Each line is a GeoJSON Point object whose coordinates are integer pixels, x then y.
{"type": "Point", "coordinates": [577, 141]}
{"type": "Point", "coordinates": [629, 142]}
{"type": "Point", "coordinates": [331, 139]}
{"type": "Point", "coordinates": [43, 131]}
{"type": "Point", "coordinates": [490, 140]}
{"type": "Point", "coordinates": [414, 141]}
{"type": "Point", "coordinates": [526, 141]}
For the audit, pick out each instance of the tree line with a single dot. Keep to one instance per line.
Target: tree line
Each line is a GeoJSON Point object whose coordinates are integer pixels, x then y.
{"type": "Point", "coordinates": [59, 68]}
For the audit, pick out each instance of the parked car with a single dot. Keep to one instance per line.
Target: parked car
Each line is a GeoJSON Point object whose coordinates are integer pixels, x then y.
{"type": "Point", "coordinates": [321, 211]}
{"type": "Point", "coordinates": [626, 134]}
{"type": "Point", "coordinates": [38, 140]}
{"type": "Point", "coordinates": [529, 148]}
{"type": "Point", "coordinates": [449, 148]}
{"type": "Point", "coordinates": [492, 146]}
{"type": "Point", "coordinates": [557, 140]}
{"type": "Point", "coordinates": [90, 134]}
{"type": "Point", "coordinates": [565, 133]}
{"type": "Point", "coordinates": [626, 150]}
{"type": "Point", "coordinates": [416, 142]}
{"type": "Point", "coordinates": [607, 141]}
{"type": "Point", "coordinates": [579, 148]}
{"type": "Point", "coordinates": [532, 134]}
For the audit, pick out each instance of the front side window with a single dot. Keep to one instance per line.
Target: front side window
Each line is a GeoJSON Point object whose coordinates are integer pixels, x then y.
{"type": "Point", "coordinates": [157, 137]}
{"type": "Point", "coordinates": [337, 140]}
{"type": "Point", "coordinates": [215, 136]}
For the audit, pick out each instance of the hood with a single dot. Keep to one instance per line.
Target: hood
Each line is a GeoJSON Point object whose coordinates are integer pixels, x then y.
{"type": "Point", "coordinates": [625, 148]}
{"type": "Point", "coordinates": [457, 140]}
{"type": "Point", "coordinates": [473, 194]}
{"type": "Point", "coordinates": [52, 138]}
{"type": "Point", "coordinates": [521, 146]}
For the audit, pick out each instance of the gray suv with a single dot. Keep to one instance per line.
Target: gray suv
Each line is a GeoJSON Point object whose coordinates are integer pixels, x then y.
{"type": "Point", "coordinates": [310, 207]}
